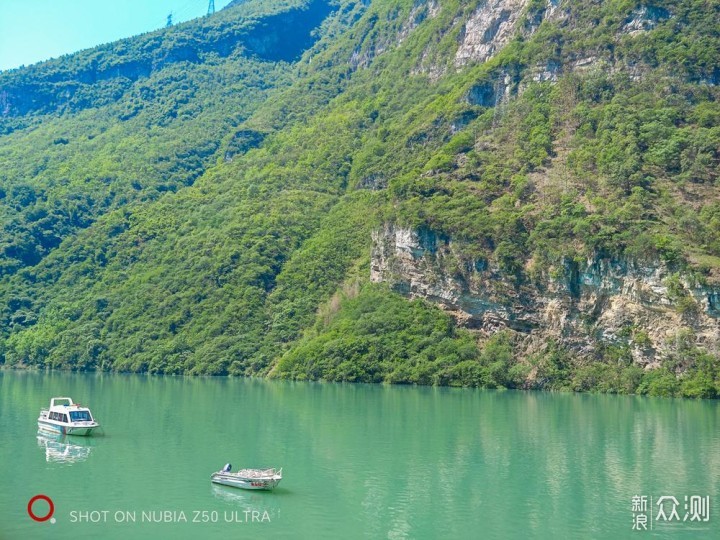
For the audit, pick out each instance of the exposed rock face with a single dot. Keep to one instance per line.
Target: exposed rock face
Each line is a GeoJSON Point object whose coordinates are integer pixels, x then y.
{"type": "Point", "coordinates": [645, 18]}
{"type": "Point", "coordinates": [496, 91]}
{"type": "Point", "coordinates": [548, 72]}
{"type": "Point", "coordinates": [421, 11]}
{"type": "Point", "coordinates": [489, 29]}
{"type": "Point", "coordinates": [583, 306]}
{"type": "Point", "coordinates": [496, 23]}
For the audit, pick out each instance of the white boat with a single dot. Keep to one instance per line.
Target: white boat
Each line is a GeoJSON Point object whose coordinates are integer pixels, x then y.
{"type": "Point", "coordinates": [248, 478]}
{"type": "Point", "coordinates": [66, 417]}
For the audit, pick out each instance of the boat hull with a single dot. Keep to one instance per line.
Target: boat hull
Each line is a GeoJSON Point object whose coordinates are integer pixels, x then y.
{"type": "Point", "coordinates": [65, 429]}
{"type": "Point", "coordinates": [245, 483]}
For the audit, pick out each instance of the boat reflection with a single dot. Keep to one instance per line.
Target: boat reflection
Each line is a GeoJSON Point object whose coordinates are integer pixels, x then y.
{"type": "Point", "coordinates": [252, 502]}
{"type": "Point", "coordinates": [59, 449]}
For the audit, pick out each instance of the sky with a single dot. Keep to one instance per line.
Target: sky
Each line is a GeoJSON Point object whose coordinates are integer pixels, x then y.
{"type": "Point", "coordinates": [36, 30]}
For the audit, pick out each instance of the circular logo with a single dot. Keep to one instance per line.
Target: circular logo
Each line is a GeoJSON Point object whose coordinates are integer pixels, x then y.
{"type": "Point", "coordinates": [41, 498]}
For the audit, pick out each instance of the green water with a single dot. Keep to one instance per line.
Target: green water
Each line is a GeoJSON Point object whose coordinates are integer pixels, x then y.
{"type": "Point", "coordinates": [359, 461]}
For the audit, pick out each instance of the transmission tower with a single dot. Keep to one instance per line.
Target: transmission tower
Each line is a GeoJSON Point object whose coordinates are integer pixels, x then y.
{"type": "Point", "coordinates": [211, 7]}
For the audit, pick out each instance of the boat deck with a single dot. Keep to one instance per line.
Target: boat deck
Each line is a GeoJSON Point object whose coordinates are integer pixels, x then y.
{"type": "Point", "coordinates": [254, 473]}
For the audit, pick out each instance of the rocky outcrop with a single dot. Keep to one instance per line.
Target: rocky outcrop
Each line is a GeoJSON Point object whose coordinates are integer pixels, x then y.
{"type": "Point", "coordinates": [421, 11]}
{"type": "Point", "coordinates": [583, 306]}
{"type": "Point", "coordinates": [548, 72]}
{"type": "Point", "coordinates": [644, 19]}
{"type": "Point", "coordinates": [495, 23]}
{"type": "Point", "coordinates": [376, 45]}
{"type": "Point", "coordinates": [488, 30]}
{"type": "Point", "coordinates": [494, 91]}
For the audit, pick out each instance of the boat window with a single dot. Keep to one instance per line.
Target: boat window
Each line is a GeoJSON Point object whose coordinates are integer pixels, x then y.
{"type": "Point", "coordinates": [64, 418]}
{"type": "Point", "coordinates": [53, 416]}
{"type": "Point", "coordinates": [80, 416]}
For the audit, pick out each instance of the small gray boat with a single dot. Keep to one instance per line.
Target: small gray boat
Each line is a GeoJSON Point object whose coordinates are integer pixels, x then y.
{"type": "Point", "coordinates": [248, 478]}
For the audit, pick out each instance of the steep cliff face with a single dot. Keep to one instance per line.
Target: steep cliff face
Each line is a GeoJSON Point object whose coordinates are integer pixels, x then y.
{"type": "Point", "coordinates": [496, 22]}
{"type": "Point", "coordinates": [490, 28]}
{"type": "Point", "coordinates": [583, 306]}
{"type": "Point", "coordinates": [378, 38]}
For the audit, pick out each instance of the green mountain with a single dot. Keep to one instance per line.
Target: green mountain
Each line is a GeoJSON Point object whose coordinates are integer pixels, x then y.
{"type": "Point", "coordinates": [503, 193]}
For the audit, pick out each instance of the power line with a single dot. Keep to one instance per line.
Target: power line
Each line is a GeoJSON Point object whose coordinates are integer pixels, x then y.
{"type": "Point", "coordinates": [191, 9]}
{"type": "Point", "coordinates": [188, 10]}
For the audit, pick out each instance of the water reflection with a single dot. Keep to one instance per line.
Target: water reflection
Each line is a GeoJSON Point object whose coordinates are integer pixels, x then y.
{"type": "Point", "coordinates": [59, 449]}
{"type": "Point", "coordinates": [250, 502]}
{"type": "Point", "coordinates": [366, 461]}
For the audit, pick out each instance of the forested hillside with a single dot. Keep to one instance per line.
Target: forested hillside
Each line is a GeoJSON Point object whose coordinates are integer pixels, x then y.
{"type": "Point", "coordinates": [515, 193]}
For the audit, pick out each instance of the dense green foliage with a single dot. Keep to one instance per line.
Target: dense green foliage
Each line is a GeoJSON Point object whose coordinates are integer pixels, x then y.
{"type": "Point", "coordinates": [379, 337]}
{"type": "Point", "coordinates": [189, 201]}
{"type": "Point", "coordinates": [374, 335]}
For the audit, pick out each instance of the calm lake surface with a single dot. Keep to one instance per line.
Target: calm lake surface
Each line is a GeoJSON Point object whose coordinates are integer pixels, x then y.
{"type": "Point", "coordinates": [359, 461]}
